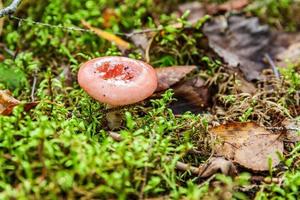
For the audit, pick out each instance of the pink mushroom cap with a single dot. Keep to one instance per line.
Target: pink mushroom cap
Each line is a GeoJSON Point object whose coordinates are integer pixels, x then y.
{"type": "Point", "coordinates": [117, 80]}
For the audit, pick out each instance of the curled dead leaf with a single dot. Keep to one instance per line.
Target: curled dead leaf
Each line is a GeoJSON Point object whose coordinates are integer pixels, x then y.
{"type": "Point", "coordinates": [216, 165]}
{"type": "Point", "coordinates": [168, 76]}
{"type": "Point", "coordinates": [213, 166]}
{"type": "Point", "coordinates": [8, 102]}
{"type": "Point", "coordinates": [195, 91]}
{"type": "Point", "coordinates": [192, 93]}
{"type": "Point", "coordinates": [248, 145]}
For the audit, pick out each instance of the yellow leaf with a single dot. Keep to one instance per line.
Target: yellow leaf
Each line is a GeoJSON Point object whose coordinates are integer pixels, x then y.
{"type": "Point", "coordinates": [107, 36]}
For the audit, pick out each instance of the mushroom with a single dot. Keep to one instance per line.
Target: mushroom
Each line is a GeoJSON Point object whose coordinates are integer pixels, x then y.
{"type": "Point", "coordinates": [117, 81]}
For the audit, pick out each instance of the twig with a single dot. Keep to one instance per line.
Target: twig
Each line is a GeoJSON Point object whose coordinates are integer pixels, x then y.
{"type": "Point", "coordinates": [273, 66]}
{"type": "Point", "coordinates": [10, 9]}
{"type": "Point", "coordinates": [186, 167]}
{"type": "Point", "coordinates": [148, 49]}
{"type": "Point", "coordinates": [33, 88]}
{"type": "Point", "coordinates": [74, 28]}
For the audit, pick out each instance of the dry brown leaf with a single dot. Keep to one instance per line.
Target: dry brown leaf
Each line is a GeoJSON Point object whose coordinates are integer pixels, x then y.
{"type": "Point", "coordinates": [192, 94]}
{"type": "Point", "coordinates": [7, 102]}
{"type": "Point", "coordinates": [194, 91]}
{"type": "Point", "coordinates": [213, 166]}
{"type": "Point", "coordinates": [122, 44]}
{"type": "Point", "coordinates": [248, 145]}
{"type": "Point", "coordinates": [168, 76]}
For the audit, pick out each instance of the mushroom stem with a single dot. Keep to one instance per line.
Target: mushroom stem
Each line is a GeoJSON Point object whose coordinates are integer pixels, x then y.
{"type": "Point", "coordinates": [114, 118]}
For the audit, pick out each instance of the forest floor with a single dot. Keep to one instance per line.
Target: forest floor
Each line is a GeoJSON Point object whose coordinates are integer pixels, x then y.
{"type": "Point", "coordinates": [222, 124]}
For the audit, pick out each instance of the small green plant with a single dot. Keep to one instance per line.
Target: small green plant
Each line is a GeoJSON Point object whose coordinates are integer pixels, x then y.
{"type": "Point", "coordinates": [245, 116]}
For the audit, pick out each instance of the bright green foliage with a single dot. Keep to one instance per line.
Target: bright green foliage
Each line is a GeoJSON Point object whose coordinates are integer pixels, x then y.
{"type": "Point", "coordinates": [48, 155]}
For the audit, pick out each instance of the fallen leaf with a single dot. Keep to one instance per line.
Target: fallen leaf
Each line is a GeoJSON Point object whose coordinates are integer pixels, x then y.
{"type": "Point", "coordinates": [212, 166]}
{"type": "Point", "coordinates": [194, 91]}
{"type": "Point", "coordinates": [7, 102]}
{"type": "Point", "coordinates": [168, 76]}
{"type": "Point", "coordinates": [122, 44]}
{"type": "Point", "coordinates": [191, 93]}
{"type": "Point", "coordinates": [216, 165]}
{"type": "Point", "coordinates": [248, 145]}
{"type": "Point", "coordinates": [241, 42]}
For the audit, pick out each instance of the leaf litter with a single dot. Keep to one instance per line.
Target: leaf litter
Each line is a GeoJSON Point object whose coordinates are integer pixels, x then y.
{"type": "Point", "coordinates": [243, 43]}
{"type": "Point", "coordinates": [8, 102]}
{"type": "Point", "coordinates": [248, 145]}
